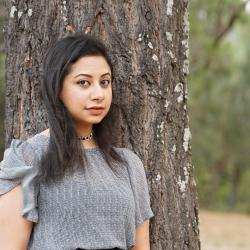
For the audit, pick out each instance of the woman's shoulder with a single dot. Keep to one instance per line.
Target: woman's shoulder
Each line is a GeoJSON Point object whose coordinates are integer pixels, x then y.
{"type": "Point", "coordinates": [129, 154]}
{"type": "Point", "coordinates": [26, 148]}
{"type": "Point", "coordinates": [40, 139]}
{"type": "Point", "coordinates": [135, 163]}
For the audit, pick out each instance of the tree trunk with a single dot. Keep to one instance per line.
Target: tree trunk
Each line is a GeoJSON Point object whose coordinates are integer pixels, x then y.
{"type": "Point", "coordinates": [148, 41]}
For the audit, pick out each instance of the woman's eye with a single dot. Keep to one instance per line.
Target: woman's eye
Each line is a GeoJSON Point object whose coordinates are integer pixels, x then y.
{"type": "Point", "coordinates": [81, 82]}
{"type": "Point", "coordinates": [105, 82]}
{"type": "Point", "coordinates": [85, 83]}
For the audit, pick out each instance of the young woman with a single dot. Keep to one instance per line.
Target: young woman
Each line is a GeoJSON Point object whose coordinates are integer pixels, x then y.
{"type": "Point", "coordinates": [69, 187]}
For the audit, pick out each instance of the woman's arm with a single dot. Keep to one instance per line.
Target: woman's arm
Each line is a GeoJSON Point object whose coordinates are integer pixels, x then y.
{"type": "Point", "coordinates": [142, 241]}
{"type": "Point", "coordinates": [14, 229]}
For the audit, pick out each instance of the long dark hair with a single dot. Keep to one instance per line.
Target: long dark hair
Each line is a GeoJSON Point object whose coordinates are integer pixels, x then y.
{"type": "Point", "coordinates": [64, 152]}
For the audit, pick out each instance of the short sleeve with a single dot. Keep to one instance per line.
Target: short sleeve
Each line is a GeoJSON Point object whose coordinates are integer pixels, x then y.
{"type": "Point", "coordinates": [18, 167]}
{"type": "Point", "coordinates": [140, 188]}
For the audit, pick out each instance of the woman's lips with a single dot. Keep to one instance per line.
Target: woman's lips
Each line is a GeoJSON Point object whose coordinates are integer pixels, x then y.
{"type": "Point", "coordinates": [95, 111]}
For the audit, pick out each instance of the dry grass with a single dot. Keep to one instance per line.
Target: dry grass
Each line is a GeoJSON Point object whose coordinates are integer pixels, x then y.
{"type": "Point", "coordinates": [224, 231]}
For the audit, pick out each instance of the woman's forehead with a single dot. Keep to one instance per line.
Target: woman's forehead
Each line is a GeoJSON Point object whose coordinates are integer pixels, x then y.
{"type": "Point", "coordinates": [92, 65]}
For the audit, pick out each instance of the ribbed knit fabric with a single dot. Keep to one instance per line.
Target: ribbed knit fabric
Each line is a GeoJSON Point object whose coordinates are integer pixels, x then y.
{"type": "Point", "coordinates": [94, 209]}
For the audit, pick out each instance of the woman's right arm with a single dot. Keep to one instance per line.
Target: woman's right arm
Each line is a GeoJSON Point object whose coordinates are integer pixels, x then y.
{"type": "Point", "coordinates": [14, 229]}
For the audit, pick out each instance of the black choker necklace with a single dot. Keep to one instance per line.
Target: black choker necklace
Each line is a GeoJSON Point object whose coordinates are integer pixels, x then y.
{"type": "Point", "coordinates": [87, 137]}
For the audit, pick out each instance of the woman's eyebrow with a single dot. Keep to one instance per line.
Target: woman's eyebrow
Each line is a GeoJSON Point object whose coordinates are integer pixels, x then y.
{"type": "Point", "coordinates": [91, 75]}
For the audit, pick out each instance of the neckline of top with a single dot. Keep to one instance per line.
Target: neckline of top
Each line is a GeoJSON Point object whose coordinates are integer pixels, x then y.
{"type": "Point", "coordinates": [95, 149]}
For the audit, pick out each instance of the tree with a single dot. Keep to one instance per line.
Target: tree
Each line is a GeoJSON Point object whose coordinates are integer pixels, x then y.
{"type": "Point", "coordinates": [148, 41]}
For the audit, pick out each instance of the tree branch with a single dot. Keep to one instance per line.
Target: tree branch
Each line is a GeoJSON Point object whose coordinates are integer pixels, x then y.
{"type": "Point", "coordinates": [235, 15]}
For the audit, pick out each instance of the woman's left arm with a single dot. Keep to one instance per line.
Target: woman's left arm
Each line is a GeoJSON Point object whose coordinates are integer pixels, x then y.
{"type": "Point", "coordinates": [142, 241]}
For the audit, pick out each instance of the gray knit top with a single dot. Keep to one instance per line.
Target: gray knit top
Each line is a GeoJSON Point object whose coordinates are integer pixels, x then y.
{"type": "Point", "coordinates": [91, 209]}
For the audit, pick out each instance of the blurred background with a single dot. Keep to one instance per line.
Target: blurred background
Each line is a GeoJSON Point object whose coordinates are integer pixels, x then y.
{"type": "Point", "coordinates": [219, 101]}
{"type": "Point", "coordinates": [218, 106]}
{"type": "Point", "coordinates": [219, 111]}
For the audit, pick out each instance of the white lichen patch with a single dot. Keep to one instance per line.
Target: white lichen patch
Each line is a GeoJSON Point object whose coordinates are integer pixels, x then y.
{"type": "Point", "coordinates": [186, 22]}
{"type": "Point", "coordinates": [64, 11]}
{"type": "Point", "coordinates": [185, 43]}
{"type": "Point", "coordinates": [155, 57]}
{"type": "Point", "coordinates": [166, 104]}
{"type": "Point", "coordinates": [180, 98]}
{"type": "Point", "coordinates": [12, 11]}
{"type": "Point", "coordinates": [186, 67]}
{"type": "Point", "coordinates": [161, 127]}
{"type": "Point", "coordinates": [186, 93]}
{"type": "Point", "coordinates": [173, 148]}
{"type": "Point", "coordinates": [170, 7]}
{"type": "Point", "coordinates": [185, 171]}
{"type": "Point", "coordinates": [186, 48]}
{"type": "Point", "coordinates": [19, 14]}
{"type": "Point", "coordinates": [178, 87]}
{"type": "Point", "coordinates": [183, 183]}
{"type": "Point", "coordinates": [186, 138]}
{"type": "Point", "coordinates": [171, 54]}
{"type": "Point", "coordinates": [158, 177]}
{"type": "Point", "coordinates": [139, 39]}
{"type": "Point", "coordinates": [150, 45]}
{"type": "Point", "coordinates": [169, 36]}
{"type": "Point", "coordinates": [185, 107]}
{"type": "Point", "coordinates": [64, 5]}
{"type": "Point", "coordinates": [29, 12]}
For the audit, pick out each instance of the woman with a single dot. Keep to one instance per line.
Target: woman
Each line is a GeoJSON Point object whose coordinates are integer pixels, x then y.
{"type": "Point", "coordinates": [78, 191]}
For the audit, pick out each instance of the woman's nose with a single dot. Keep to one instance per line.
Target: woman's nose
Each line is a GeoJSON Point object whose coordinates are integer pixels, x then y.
{"type": "Point", "coordinates": [98, 92]}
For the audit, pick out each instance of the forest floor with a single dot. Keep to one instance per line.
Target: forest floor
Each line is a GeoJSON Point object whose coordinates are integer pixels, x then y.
{"type": "Point", "coordinates": [224, 231]}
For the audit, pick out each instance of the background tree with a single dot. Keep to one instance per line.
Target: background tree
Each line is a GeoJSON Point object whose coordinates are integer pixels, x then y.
{"type": "Point", "coordinates": [219, 101]}
{"type": "Point", "coordinates": [148, 41]}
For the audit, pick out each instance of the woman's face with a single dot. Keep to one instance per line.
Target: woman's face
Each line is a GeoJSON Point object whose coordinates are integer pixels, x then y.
{"type": "Point", "coordinates": [88, 84]}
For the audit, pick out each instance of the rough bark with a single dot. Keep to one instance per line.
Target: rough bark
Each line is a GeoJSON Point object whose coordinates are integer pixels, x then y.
{"type": "Point", "coordinates": [148, 41]}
